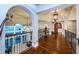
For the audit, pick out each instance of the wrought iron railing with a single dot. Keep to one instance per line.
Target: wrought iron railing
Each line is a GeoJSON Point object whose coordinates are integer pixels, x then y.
{"type": "Point", "coordinates": [71, 39]}
{"type": "Point", "coordinates": [16, 43]}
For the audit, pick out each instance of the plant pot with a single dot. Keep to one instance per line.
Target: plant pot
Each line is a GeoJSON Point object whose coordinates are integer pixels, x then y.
{"type": "Point", "coordinates": [29, 44]}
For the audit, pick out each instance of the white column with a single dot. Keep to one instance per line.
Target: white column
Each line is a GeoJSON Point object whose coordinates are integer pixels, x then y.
{"type": "Point", "coordinates": [2, 42]}
{"type": "Point", "coordinates": [35, 30]}
{"type": "Point", "coordinates": [77, 20]}
{"type": "Point", "coordinates": [77, 27]}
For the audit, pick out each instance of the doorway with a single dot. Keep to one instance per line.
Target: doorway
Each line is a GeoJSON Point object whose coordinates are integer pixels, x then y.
{"type": "Point", "coordinates": [57, 27]}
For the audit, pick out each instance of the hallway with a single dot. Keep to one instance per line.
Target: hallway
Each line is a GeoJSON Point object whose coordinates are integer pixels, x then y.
{"type": "Point", "coordinates": [18, 21]}
{"type": "Point", "coordinates": [54, 44]}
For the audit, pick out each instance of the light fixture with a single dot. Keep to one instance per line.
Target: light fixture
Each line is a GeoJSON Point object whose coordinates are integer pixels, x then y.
{"type": "Point", "coordinates": [55, 15]}
{"type": "Point", "coordinates": [9, 16]}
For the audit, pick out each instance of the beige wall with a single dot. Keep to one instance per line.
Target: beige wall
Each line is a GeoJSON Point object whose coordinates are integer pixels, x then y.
{"type": "Point", "coordinates": [70, 20]}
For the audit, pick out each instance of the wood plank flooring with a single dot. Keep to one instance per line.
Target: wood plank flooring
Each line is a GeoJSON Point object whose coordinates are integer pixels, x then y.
{"type": "Point", "coordinates": [52, 44]}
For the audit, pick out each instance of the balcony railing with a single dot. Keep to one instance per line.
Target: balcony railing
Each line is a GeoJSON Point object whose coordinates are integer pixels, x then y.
{"type": "Point", "coordinates": [71, 39]}
{"type": "Point", "coordinates": [16, 43]}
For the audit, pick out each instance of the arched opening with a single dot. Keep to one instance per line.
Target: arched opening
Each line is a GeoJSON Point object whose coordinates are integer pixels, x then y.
{"type": "Point", "coordinates": [33, 18]}
{"type": "Point", "coordinates": [18, 30]}
{"type": "Point", "coordinates": [57, 27]}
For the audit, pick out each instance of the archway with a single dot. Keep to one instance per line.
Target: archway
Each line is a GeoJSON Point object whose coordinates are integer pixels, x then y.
{"type": "Point", "coordinates": [18, 30]}
{"type": "Point", "coordinates": [57, 26]}
{"type": "Point", "coordinates": [33, 17]}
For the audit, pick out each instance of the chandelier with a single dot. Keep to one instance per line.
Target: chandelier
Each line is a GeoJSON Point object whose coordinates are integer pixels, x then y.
{"type": "Point", "coordinates": [55, 15]}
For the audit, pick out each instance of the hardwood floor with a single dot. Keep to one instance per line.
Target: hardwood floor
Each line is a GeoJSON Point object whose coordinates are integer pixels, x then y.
{"type": "Point", "coordinates": [54, 44]}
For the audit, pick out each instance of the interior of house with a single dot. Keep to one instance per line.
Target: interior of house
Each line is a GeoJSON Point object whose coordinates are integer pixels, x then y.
{"type": "Point", "coordinates": [38, 29]}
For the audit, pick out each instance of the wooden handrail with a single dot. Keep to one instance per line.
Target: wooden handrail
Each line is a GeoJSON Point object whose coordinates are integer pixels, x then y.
{"type": "Point", "coordinates": [71, 32]}
{"type": "Point", "coordinates": [1, 28]}
{"type": "Point", "coordinates": [18, 34]}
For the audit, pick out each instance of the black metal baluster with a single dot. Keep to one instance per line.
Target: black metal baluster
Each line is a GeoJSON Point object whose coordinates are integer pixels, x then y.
{"type": "Point", "coordinates": [14, 44]}
{"type": "Point", "coordinates": [71, 42]}
{"type": "Point", "coordinates": [19, 44]}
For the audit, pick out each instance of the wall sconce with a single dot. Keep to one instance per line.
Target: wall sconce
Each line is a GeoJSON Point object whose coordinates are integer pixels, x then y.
{"type": "Point", "coordinates": [9, 16]}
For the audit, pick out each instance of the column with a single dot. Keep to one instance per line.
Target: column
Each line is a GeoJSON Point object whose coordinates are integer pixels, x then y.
{"type": "Point", "coordinates": [77, 27]}
{"type": "Point", "coordinates": [34, 30]}
{"type": "Point", "coordinates": [77, 20]}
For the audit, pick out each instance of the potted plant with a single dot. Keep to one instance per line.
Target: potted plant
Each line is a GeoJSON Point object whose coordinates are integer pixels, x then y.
{"type": "Point", "coordinates": [29, 43]}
